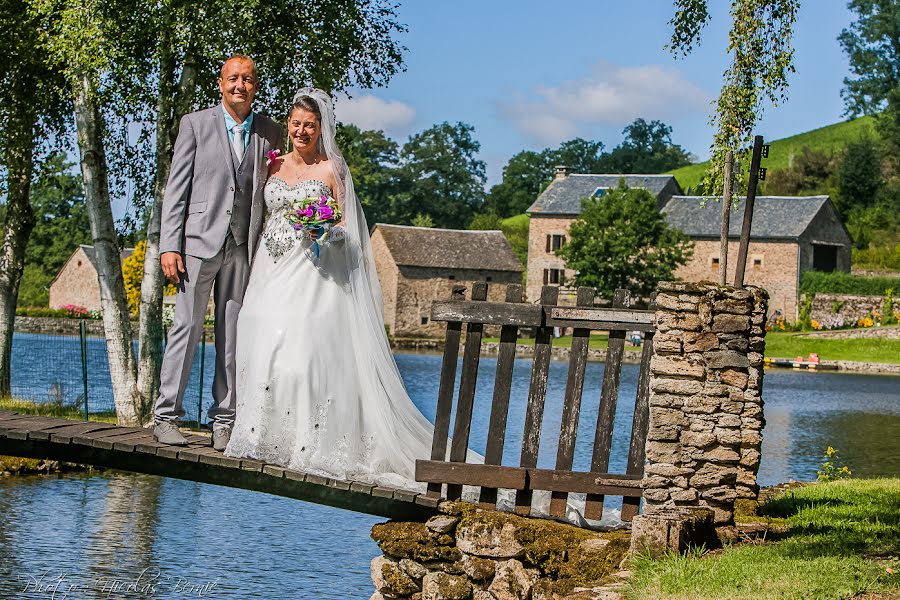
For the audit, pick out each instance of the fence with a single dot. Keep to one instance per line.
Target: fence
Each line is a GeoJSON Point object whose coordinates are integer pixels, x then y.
{"type": "Point", "coordinates": [72, 372]}
{"type": "Point", "coordinates": [526, 478]}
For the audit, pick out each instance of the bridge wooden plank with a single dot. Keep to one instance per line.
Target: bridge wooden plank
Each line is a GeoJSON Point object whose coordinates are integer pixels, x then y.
{"type": "Point", "coordinates": [315, 479]}
{"type": "Point", "coordinates": [4, 414]}
{"type": "Point", "coordinates": [87, 439]}
{"type": "Point", "coordinates": [338, 484]}
{"type": "Point", "coordinates": [506, 359]}
{"type": "Point", "coordinates": [609, 394]}
{"type": "Point", "coordinates": [274, 471]}
{"type": "Point", "coordinates": [20, 430]}
{"type": "Point", "coordinates": [251, 465]}
{"type": "Point", "coordinates": [445, 391]}
{"type": "Point", "coordinates": [568, 428]}
{"type": "Point", "coordinates": [362, 488]}
{"type": "Point", "coordinates": [107, 442]}
{"type": "Point", "coordinates": [129, 443]}
{"type": "Point", "coordinates": [27, 421]}
{"type": "Point", "coordinates": [426, 500]}
{"type": "Point", "coordinates": [294, 475]}
{"type": "Point", "coordinates": [215, 457]}
{"type": "Point", "coordinates": [537, 392]}
{"type": "Point", "coordinates": [616, 314]}
{"type": "Point", "coordinates": [64, 435]}
{"type": "Point", "coordinates": [149, 447]}
{"type": "Point", "coordinates": [639, 424]}
{"type": "Point", "coordinates": [405, 496]}
{"type": "Point", "coordinates": [468, 379]}
{"type": "Point", "coordinates": [380, 492]}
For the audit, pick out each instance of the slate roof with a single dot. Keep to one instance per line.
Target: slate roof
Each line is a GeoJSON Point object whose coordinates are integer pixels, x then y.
{"type": "Point", "coordinates": [563, 195]}
{"type": "Point", "coordinates": [774, 217]}
{"type": "Point", "coordinates": [449, 248]}
{"type": "Point", "coordinates": [92, 255]}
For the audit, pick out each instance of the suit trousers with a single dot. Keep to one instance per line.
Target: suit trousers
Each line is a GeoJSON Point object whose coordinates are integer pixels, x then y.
{"type": "Point", "coordinates": [226, 275]}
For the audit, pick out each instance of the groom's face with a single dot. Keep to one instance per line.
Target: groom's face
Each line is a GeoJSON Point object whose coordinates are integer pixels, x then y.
{"type": "Point", "coordinates": [238, 85]}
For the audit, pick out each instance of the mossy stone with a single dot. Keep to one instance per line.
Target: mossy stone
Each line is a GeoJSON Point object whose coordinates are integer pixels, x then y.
{"type": "Point", "coordinates": [414, 541]}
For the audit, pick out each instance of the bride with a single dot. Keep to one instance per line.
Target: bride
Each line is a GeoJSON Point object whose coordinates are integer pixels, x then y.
{"type": "Point", "coordinates": [317, 386]}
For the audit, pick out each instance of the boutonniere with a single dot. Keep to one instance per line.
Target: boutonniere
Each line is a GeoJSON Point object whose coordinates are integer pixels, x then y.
{"type": "Point", "coordinates": [272, 156]}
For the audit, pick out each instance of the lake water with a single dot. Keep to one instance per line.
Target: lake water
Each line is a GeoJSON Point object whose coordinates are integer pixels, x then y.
{"type": "Point", "coordinates": [176, 538]}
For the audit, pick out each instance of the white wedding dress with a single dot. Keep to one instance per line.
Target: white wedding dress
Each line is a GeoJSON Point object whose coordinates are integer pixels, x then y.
{"type": "Point", "coordinates": [309, 394]}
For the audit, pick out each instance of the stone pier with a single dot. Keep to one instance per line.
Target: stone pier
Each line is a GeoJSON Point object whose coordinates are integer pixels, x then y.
{"type": "Point", "coordinates": [706, 409]}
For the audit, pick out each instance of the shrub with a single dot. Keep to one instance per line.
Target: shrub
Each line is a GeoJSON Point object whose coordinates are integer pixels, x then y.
{"type": "Point", "coordinates": [812, 282]}
{"type": "Point", "coordinates": [67, 311]}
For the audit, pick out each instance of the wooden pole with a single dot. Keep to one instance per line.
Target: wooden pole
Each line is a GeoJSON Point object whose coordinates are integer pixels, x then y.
{"type": "Point", "coordinates": [726, 218]}
{"type": "Point", "coordinates": [741, 265]}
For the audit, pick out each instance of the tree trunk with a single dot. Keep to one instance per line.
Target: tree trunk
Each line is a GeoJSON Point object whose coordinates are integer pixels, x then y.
{"type": "Point", "coordinates": [17, 228]}
{"type": "Point", "coordinates": [170, 108]}
{"type": "Point", "coordinates": [116, 323]}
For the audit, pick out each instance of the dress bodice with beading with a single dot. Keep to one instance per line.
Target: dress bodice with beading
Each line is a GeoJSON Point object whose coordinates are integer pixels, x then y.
{"type": "Point", "coordinates": [278, 235]}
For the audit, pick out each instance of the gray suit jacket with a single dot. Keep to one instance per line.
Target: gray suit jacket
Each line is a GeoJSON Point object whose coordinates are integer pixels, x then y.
{"type": "Point", "coordinates": [200, 192]}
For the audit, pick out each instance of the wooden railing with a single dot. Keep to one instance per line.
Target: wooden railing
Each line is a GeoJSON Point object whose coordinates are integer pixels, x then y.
{"type": "Point", "coordinates": [475, 313]}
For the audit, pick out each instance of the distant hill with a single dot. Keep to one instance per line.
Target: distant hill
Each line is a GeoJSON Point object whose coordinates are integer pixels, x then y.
{"type": "Point", "coordinates": [831, 138]}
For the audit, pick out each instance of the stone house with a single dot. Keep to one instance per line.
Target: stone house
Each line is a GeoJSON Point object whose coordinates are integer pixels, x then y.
{"type": "Point", "coordinates": [555, 210]}
{"type": "Point", "coordinates": [418, 265]}
{"type": "Point", "coordinates": [790, 235]}
{"type": "Point", "coordinates": [77, 282]}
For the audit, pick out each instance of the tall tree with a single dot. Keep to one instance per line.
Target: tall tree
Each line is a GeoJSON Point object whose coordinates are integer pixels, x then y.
{"type": "Point", "coordinates": [872, 44]}
{"type": "Point", "coordinates": [31, 104]}
{"type": "Point", "coordinates": [647, 148]}
{"type": "Point", "coordinates": [372, 158]}
{"type": "Point", "coordinates": [623, 241]}
{"type": "Point", "coordinates": [444, 178]}
{"type": "Point", "coordinates": [762, 57]}
{"type": "Point", "coordinates": [580, 155]}
{"type": "Point", "coordinates": [524, 177]}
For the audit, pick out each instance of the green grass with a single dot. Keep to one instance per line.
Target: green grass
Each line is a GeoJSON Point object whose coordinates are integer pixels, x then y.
{"type": "Point", "coordinates": [842, 537]}
{"type": "Point", "coordinates": [54, 409]}
{"type": "Point", "coordinates": [828, 139]}
{"type": "Point", "coordinates": [787, 345]}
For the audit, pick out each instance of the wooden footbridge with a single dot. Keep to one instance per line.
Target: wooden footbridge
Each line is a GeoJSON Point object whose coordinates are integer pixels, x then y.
{"type": "Point", "coordinates": [135, 449]}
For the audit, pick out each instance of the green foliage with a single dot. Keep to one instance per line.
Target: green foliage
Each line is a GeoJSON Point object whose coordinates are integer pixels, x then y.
{"type": "Point", "coordinates": [859, 175]}
{"type": "Point", "coordinates": [871, 46]}
{"type": "Point", "coordinates": [485, 221]}
{"type": "Point", "coordinates": [870, 350]}
{"type": "Point", "coordinates": [828, 140]}
{"type": "Point", "coordinates": [838, 282]}
{"type": "Point", "coordinates": [830, 471]}
{"type": "Point", "coordinates": [647, 148]}
{"type": "Point", "coordinates": [762, 59]}
{"type": "Point", "coordinates": [372, 158]}
{"type": "Point", "coordinates": [622, 241]}
{"type": "Point", "coordinates": [421, 220]}
{"type": "Point", "coordinates": [442, 177]}
{"type": "Point", "coordinates": [878, 258]}
{"type": "Point", "coordinates": [888, 316]}
{"type": "Point", "coordinates": [69, 311]}
{"type": "Point", "coordinates": [811, 172]}
{"type": "Point", "coordinates": [524, 177]}
{"type": "Point", "coordinates": [515, 230]}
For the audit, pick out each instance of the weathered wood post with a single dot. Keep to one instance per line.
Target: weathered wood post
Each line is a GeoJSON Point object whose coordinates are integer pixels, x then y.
{"type": "Point", "coordinates": [744, 247]}
{"type": "Point", "coordinates": [726, 218]}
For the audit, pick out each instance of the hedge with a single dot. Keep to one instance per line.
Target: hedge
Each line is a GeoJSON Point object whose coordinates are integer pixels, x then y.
{"type": "Point", "coordinates": [838, 282]}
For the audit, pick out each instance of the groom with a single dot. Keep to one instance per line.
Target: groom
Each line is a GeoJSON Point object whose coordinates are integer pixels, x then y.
{"type": "Point", "coordinates": [212, 217]}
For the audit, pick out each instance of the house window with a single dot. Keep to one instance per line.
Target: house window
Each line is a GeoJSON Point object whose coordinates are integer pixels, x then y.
{"type": "Point", "coordinates": [757, 262]}
{"type": "Point", "coordinates": [714, 263]}
{"type": "Point", "coordinates": [488, 278]}
{"type": "Point", "coordinates": [451, 277]}
{"type": "Point", "coordinates": [424, 321]}
{"type": "Point", "coordinates": [599, 192]}
{"type": "Point", "coordinates": [555, 242]}
{"type": "Point", "coordinates": [824, 258]}
{"type": "Point", "coordinates": [552, 276]}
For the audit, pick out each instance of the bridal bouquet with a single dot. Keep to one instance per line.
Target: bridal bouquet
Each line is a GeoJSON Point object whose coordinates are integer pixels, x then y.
{"type": "Point", "coordinates": [317, 213]}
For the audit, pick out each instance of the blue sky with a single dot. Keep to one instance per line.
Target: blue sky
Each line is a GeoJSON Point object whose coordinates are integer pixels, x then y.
{"type": "Point", "coordinates": [528, 75]}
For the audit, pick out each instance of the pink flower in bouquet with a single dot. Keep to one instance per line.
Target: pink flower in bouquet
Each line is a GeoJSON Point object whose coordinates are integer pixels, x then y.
{"type": "Point", "coordinates": [326, 212]}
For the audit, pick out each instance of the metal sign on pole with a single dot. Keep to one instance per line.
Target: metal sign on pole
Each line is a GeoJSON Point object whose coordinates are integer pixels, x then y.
{"type": "Point", "coordinates": [741, 265]}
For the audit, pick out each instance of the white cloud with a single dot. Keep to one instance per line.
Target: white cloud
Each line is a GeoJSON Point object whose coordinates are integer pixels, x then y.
{"type": "Point", "coordinates": [370, 112]}
{"type": "Point", "coordinates": [611, 95]}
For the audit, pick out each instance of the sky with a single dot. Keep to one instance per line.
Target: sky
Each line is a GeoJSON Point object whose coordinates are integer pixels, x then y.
{"type": "Point", "coordinates": [528, 75]}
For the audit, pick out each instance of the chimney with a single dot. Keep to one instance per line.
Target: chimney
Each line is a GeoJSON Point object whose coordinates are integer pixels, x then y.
{"type": "Point", "coordinates": [562, 171]}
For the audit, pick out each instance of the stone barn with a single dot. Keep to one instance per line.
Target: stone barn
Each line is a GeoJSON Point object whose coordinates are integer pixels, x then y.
{"type": "Point", "coordinates": [558, 206]}
{"type": "Point", "coordinates": [790, 235]}
{"type": "Point", "coordinates": [77, 282]}
{"type": "Point", "coordinates": [418, 265]}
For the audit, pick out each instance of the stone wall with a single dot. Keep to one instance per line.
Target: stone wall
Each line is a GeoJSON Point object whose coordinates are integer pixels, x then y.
{"type": "Point", "coordinates": [466, 553]}
{"type": "Point", "coordinates": [826, 307]}
{"type": "Point", "coordinates": [76, 283]}
{"type": "Point", "coordinates": [706, 409]}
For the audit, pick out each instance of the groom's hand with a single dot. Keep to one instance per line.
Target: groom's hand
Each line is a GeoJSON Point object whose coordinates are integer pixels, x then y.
{"type": "Point", "coordinates": [172, 265]}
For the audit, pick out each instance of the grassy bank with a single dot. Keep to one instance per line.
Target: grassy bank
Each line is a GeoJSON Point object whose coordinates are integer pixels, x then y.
{"type": "Point", "coordinates": [598, 341]}
{"type": "Point", "coordinates": [842, 541]}
{"type": "Point", "coordinates": [871, 350]}
{"type": "Point", "coordinates": [53, 409]}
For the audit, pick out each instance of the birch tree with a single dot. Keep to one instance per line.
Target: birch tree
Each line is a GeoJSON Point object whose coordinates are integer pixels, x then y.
{"type": "Point", "coordinates": [31, 105]}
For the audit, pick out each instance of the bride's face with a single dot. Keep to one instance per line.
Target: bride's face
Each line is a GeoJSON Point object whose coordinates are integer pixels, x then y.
{"type": "Point", "coordinates": [303, 129]}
